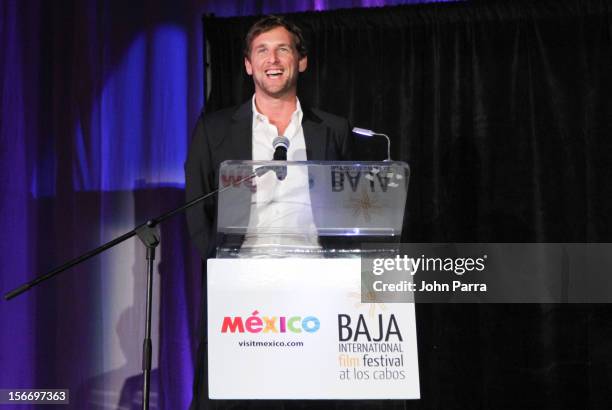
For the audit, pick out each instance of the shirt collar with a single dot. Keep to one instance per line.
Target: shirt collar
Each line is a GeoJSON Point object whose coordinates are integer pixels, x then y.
{"type": "Point", "coordinates": [262, 118]}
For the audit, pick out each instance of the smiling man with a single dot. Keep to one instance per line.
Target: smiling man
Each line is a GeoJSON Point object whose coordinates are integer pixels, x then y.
{"type": "Point", "coordinates": [274, 56]}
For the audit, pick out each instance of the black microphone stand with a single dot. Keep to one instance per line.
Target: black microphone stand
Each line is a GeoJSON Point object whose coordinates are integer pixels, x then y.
{"type": "Point", "coordinates": [148, 233]}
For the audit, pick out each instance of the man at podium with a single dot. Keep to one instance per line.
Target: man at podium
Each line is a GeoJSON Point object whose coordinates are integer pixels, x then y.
{"type": "Point", "coordinates": [274, 56]}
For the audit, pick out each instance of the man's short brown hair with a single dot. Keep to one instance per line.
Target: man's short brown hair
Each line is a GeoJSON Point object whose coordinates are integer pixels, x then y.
{"type": "Point", "coordinates": [271, 22]}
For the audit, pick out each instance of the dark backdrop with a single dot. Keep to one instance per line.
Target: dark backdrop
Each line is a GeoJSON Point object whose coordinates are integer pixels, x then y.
{"type": "Point", "coordinates": [97, 101]}
{"type": "Point", "coordinates": [502, 109]}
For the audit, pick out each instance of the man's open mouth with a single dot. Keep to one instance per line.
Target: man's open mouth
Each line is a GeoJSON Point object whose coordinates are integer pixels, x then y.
{"type": "Point", "coordinates": [275, 73]}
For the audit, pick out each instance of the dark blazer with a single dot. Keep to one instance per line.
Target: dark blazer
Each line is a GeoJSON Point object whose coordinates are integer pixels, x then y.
{"type": "Point", "coordinates": [227, 134]}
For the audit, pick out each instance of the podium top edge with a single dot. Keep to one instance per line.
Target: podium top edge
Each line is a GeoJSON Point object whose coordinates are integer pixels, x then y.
{"type": "Point", "coordinates": [317, 163]}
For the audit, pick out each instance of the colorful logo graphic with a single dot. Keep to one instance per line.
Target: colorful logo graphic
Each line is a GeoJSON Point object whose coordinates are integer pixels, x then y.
{"type": "Point", "coordinates": [270, 324]}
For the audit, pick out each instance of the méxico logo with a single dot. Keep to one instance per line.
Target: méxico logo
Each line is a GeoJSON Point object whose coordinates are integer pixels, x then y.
{"type": "Point", "coordinates": [270, 324]}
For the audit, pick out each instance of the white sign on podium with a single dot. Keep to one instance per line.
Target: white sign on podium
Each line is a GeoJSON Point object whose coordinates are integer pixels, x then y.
{"type": "Point", "coordinates": [296, 329]}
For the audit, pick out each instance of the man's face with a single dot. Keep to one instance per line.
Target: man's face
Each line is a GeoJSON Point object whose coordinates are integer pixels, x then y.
{"type": "Point", "coordinates": [274, 63]}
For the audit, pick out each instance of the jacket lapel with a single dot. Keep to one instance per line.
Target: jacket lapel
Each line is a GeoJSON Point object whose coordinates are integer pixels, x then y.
{"type": "Point", "coordinates": [240, 133]}
{"type": "Point", "coordinates": [314, 136]}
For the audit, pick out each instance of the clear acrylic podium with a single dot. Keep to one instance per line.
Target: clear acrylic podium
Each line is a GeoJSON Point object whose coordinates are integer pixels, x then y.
{"type": "Point", "coordinates": [308, 209]}
{"type": "Point", "coordinates": [290, 238]}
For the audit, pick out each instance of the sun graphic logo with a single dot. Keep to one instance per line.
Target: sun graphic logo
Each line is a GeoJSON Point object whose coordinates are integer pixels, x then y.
{"type": "Point", "coordinates": [364, 206]}
{"type": "Point", "coordinates": [367, 302]}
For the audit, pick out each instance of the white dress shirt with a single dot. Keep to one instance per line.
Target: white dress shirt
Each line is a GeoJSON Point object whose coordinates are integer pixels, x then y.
{"type": "Point", "coordinates": [281, 215]}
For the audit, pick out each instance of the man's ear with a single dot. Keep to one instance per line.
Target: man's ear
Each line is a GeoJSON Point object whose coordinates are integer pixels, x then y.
{"type": "Point", "coordinates": [302, 64]}
{"type": "Point", "coordinates": [247, 66]}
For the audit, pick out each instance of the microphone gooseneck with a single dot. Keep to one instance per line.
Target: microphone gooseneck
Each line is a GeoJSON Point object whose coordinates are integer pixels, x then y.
{"type": "Point", "coordinates": [369, 133]}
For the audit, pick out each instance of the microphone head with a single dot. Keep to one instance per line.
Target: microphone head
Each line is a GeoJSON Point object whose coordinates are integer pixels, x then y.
{"type": "Point", "coordinates": [280, 142]}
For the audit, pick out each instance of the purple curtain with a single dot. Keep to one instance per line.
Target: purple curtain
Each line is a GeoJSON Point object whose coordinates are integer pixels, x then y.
{"type": "Point", "coordinates": [97, 102]}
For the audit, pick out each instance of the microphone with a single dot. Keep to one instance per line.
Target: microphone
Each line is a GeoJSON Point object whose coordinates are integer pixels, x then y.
{"type": "Point", "coordinates": [281, 145]}
{"type": "Point", "coordinates": [370, 133]}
